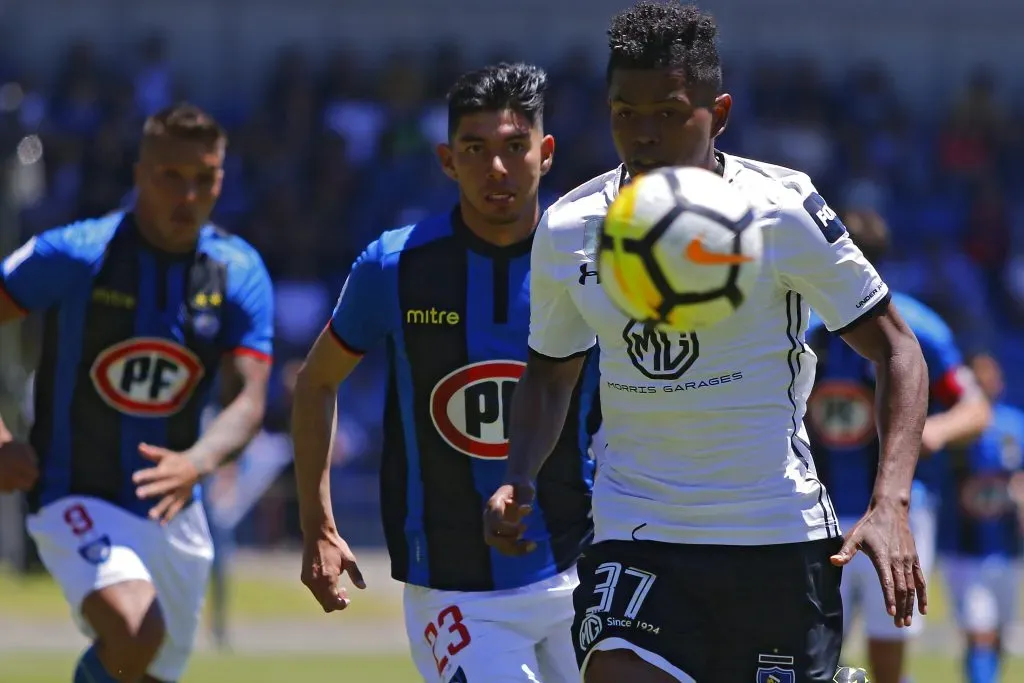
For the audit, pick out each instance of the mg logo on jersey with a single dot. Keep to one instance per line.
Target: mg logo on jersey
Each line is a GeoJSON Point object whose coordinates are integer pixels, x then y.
{"type": "Point", "coordinates": [658, 354]}
{"type": "Point", "coordinates": [146, 377]}
{"type": "Point", "coordinates": [842, 413]}
{"type": "Point", "coordinates": [470, 407]}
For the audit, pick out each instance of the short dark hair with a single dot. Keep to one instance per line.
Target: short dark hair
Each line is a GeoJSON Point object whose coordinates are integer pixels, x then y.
{"type": "Point", "coordinates": [655, 35]}
{"type": "Point", "coordinates": [184, 121]}
{"type": "Point", "coordinates": [519, 87]}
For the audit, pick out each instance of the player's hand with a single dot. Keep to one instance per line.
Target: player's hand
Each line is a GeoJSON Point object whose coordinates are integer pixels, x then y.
{"type": "Point", "coordinates": [18, 469]}
{"type": "Point", "coordinates": [172, 479]}
{"type": "Point", "coordinates": [503, 519]}
{"type": "Point", "coordinates": [884, 535]}
{"type": "Point", "coordinates": [325, 557]}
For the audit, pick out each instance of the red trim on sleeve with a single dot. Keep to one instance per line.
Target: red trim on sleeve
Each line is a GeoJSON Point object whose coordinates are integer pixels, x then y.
{"type": "Point", "coordinates": [253, 353]}
{"type": "Point", "coordinates": [9, 297]}
{"type": "Point", "coordinates": [344, 344]}
{"type": "Point", "coordinates": [948, 389]}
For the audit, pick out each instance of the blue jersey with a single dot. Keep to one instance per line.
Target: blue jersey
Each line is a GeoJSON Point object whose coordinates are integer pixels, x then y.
{"type": "Point", "coordinates": [454, 314]}
{"type": "Point", "coordinates": [841, 408]}
{"type": "Point", "coordinates": [133, 338]}
{"type": "Point", "coordinates": [979, 517]}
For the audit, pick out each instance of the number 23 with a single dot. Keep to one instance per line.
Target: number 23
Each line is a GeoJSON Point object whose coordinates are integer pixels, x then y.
{"type": "Point", "coordinates": [452, 618]}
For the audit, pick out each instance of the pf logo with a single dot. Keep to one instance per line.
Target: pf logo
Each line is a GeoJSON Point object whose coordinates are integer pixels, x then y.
{"type": "Point", "coordinates": [842, 413]}
{"type": "Point", "coordinates": [470, 407]}
{"type": "Point", "coordinates": [660, 354]}
{"type": "Point", "coordinates": [146, 377]}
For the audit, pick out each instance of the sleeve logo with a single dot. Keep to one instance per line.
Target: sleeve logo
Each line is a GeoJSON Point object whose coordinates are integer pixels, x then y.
{"type": "Point", "coordinates": [824, 217]}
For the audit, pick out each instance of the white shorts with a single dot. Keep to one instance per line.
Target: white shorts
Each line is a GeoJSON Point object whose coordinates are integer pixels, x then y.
{"type": "Point", "coordinates": [88, 544]}
{"type": "Point", "coordinates": [518, 635]}
{"type": "Point", "coordinates": [984, 591]}
{"type": "Point", "coordinates": [862, 591]}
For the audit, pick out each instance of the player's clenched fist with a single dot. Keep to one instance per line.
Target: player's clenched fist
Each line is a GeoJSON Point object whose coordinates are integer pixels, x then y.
{"type": "Point", "coordinates": [18, 470]}
{"type": "Point", "coordinates": [325, 557]}
{"type": "Point", "coordinates": [503, 519]}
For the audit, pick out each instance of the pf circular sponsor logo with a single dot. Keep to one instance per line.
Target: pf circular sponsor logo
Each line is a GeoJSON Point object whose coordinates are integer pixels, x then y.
{"type": "Point", "coordinates": [842, 413]}
{"type": "Point", "coordinates": [470, 407]}
{"type": "Point", "coordinates": [146, 377]}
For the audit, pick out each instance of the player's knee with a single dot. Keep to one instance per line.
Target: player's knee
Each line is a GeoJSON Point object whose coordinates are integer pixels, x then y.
{"type": "Point", "coordinates": [129, 626]}
{"type": "Point", "coordinates": [615, 666]}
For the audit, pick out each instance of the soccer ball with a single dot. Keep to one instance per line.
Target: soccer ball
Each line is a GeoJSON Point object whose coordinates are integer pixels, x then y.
{"type": "Point", "coordinates": [679, 248]}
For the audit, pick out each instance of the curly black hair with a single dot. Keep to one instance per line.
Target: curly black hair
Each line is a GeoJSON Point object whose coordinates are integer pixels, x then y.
{"type": "Point", "coordinates": [520, 87]}
{"type": "Point", "coordinates": [654, 35]}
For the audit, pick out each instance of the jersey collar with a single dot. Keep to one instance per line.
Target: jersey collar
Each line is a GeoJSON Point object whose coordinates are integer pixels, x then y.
{"type": "Point", "coordinates": [482, 246]}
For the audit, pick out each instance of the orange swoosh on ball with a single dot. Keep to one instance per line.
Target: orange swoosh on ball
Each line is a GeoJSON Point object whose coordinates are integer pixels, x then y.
{"type": "Point", "coordinates": [696, 252]}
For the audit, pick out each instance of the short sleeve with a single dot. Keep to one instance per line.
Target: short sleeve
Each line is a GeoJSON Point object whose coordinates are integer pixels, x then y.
{"type": "Point", "coordinates": [38, 275]}
{"type": "Point", "coordinates": [557, 329]}
{"type": "Point", "coordinates": [812, 254]}
{"type": "Point", "coordinates": [359, 320]}
{"type": "Point", "coordinates": [249, 316]}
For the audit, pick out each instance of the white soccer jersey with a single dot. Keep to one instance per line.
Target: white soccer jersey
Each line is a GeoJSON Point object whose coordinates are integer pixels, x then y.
{"type": "Point", "coordinates": [705, 432]}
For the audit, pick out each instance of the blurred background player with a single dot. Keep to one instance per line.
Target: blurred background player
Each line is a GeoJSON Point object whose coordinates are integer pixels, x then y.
{"type": "Point", "coordinates": [844, 441]}
{"type": "Point", "coordinates": [143, 309]}
{"type": "Point", "coordinates": [717, 553]}
{"type": "Point", "coordinates": [981, 523]}
{"type": "Point", "coordinates": [449, 296]}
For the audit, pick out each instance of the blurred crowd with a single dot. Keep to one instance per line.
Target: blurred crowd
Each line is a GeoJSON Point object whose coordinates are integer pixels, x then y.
{"type": "Point", "coordinates": [331, 153]}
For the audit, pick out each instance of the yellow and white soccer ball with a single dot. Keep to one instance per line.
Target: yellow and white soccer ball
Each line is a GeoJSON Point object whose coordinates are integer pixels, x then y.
{"type": "Point", "coordinates": [679, 248]}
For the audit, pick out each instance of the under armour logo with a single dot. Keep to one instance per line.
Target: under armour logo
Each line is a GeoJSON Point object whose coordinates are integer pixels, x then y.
{"type": "Point", "coordinates": [584, 274]}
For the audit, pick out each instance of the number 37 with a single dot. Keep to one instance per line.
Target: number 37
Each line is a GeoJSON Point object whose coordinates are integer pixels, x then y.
{"type": "Point", "coordinates": [449, 619]}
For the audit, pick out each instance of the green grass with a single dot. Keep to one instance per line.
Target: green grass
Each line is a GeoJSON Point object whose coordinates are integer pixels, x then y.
{"type": "Point", "coordinates": [56, 668]}
{"type": "Point", "coordinates": [50, 668]}
{"type": "Point", "coordinates": [38, 598]}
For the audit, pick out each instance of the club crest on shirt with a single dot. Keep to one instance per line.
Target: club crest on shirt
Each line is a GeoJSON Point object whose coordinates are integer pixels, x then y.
{"type": "Point", "coordinates": [775, 669]}
{"type": "Point", "coordinates": [96, 551]}
{"type": "Point", "coordinates": [146, 376]}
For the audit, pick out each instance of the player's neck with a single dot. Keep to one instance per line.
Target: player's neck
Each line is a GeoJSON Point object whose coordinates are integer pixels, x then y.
{"type": "Point", "coordinates": [500, 234]}
{"type": "Point", "coordinates": [152, 237]}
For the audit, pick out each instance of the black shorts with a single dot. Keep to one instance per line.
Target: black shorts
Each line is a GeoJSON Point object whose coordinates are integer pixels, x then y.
{"type": "Point", "coordinates": [720, 614]}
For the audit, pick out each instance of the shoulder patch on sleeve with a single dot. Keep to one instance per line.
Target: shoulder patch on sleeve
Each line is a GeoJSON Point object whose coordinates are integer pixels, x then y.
{"type": "Point", "coordinates": [824, 217]}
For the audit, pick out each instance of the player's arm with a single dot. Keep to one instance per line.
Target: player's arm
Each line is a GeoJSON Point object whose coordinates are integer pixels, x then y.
{"type": "Point", "coordinates": [812, 254]}
{"type": "Point", "coordinates": [539, 407]}
{"type": "Point", "coordinates": [559, 340]}
{"type": "Point", "coordinates": [34, 277]}
{"type": "Point", "coordinates": [884, 338]}
{"type": "Point", "coordinates": [357, 325]}
{"type": "Point", "coordinates": [951, 385]}
{"type": "Point", "coordinates": [245, 369]}
{"type": "Point", "coordinates": [314, 417]}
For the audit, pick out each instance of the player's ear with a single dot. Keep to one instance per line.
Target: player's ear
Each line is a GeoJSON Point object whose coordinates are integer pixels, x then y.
{"type": "Point", "coordinates": [720, 112]}
{"type": "Point", "coordinates": [444, 155]}
{"type": "Point", "coordinates": [547, 153]}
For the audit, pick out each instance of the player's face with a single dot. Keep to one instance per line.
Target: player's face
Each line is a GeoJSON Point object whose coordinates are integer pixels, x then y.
{"type": "Point", "coordinates": [498, 159]}
{"type": "Point", "coordinates": [178, 183]}
{"type": "Point", "coordinates": [658, 120]}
